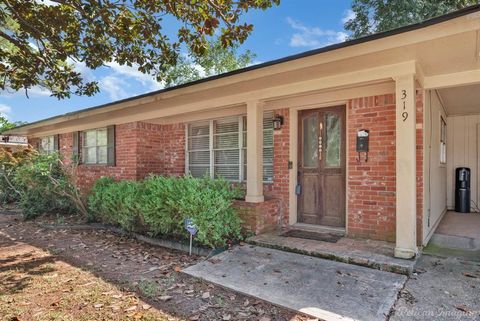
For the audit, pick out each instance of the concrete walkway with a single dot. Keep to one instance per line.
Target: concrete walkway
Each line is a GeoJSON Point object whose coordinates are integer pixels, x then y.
{"type": "Point", "coordinates": [324, 289]}
{"type": "Point", "coordinates": [445, 289]}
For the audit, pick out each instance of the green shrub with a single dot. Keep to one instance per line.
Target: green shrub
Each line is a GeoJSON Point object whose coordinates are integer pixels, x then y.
{"type": "Point", "coordinates": [209, 204]}
{"type": "Point", "coordinates": [43, 184]}
{"type": "Point", "coordinates": [96, 200]}
{"type": "Point", "coordinates": [158, 205]}
{"type": "Point", "coordinates": [115, 203]}
{"type": "Point", "coordinates": [9, 163]}
{"type": "Point", "coordinates": [161, 204]}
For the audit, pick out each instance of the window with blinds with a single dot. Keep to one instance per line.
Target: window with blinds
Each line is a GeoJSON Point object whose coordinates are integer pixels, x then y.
{"type": "Point", "coordinates": [218, 148]}
{"type": "Point", "coordinates": [99, 146]}
{"type": "Point", "coordinates": [48, 144]}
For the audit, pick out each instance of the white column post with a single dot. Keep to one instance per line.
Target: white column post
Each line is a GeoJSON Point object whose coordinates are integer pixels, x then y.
{"type": "Point", "coordinates": [254, 152]}
{"type": "Point", "coordinates": [406, 188]}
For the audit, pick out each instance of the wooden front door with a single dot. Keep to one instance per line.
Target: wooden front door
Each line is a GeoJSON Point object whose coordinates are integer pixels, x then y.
{"type": "Point", "coordinates": [321, 168]}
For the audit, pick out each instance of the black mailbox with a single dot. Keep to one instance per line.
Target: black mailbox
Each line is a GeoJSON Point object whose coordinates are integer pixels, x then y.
{"type": "Point", "coordinates": [362, 141]}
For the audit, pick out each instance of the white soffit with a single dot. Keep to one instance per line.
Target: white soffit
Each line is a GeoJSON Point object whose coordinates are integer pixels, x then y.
{"type": "Point", "coordinates": [462, 100]}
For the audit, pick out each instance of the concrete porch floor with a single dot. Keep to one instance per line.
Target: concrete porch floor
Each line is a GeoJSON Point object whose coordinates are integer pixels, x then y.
{"type": "Point", "coordinates": [367, 253]}
{"type": "Point", "coordinates": [457, 234]}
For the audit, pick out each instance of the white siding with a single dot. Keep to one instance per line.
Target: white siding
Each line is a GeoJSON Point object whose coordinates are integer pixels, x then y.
{"type": "Point", "coordinates": [435, 173]}
{"type": "Point", "coordinates": [462, 151]}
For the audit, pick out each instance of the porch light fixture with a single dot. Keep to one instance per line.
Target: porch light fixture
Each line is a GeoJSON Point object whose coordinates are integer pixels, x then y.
{"type": "Point", "coordinates": [277, 122]}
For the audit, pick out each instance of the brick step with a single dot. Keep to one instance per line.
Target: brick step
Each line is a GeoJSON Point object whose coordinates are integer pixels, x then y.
{"type": "Point", "coordinates": [372, 254]}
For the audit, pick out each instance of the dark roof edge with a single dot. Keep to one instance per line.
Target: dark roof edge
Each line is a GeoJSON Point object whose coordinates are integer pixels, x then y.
{"type": "Point", "coordinates": [380, 35]}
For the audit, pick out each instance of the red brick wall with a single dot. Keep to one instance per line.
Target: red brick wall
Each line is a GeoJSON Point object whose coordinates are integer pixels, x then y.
{"type": "Point", "coordinates": [173, 149]}
{"type": "Point", "coordinates": [149, 140]}
{"type": "Point", "coordinates": [137, 148]}
{"type": "Point", "coordinates": [125, 158]}
{"type": "Point", "coordinates": [279, 189]}
{"type": "Point", "coordinates": [143, 148]}
{"type": "Point", "coordinates": [260, 217]}
{"type": "Point", "coordinates": [371, 185]}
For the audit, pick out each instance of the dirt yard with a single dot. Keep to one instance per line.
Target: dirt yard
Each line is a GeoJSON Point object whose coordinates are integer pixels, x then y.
{"type": "Point", "coordinates": [69, 274]}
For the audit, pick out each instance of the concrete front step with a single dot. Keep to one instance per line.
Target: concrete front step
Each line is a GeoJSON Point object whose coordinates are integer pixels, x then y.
{"type": "Point", "coordinates": [372, 254]}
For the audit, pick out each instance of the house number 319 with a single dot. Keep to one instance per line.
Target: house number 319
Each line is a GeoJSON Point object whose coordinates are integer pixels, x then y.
{"type": "Point", "coordinates": [404, 98]}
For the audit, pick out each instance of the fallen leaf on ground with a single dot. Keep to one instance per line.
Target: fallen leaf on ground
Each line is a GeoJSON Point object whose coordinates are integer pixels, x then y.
{"type": "Point", "coordinates": [205, 295]}
{"type": "Point", "coordinates": [470, 275]}
{"type": "Point", "coordinates": [177, 269]}
{"type": "Point", "coordinates": [462, 308]}
{"type": "Point", "coordinates": [165, 298]}
{"type": "Point", "coordinates": [132, 308]}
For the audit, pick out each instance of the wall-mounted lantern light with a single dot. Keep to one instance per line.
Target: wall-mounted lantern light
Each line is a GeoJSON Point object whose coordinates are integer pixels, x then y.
{"type": "Point", "coordinates": [277, 122]}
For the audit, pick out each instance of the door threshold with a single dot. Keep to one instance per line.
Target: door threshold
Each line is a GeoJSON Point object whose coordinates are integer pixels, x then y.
{"type": "Point", "coordinates": [318, 228]}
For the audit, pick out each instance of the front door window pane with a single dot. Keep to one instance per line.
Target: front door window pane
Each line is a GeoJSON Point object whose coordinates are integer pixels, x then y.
{"type": "Point", "coordinates": [310, 141]}
{"type": "Point", "coordinates": [333, 140]}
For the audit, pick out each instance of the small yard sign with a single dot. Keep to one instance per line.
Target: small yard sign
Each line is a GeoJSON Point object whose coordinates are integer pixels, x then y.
{"type": "Point", "coordinates": [191, 229]}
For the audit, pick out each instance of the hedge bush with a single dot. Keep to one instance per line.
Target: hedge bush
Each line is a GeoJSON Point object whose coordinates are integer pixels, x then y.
{"type": "Point", "coordinates": [9, 163]}
{"type": "Point", "coordinates": [159, 205]}
{"type": "Point", "coordinates": [38, 182]}
{"type": "Point", "coordinates": [43, 182]}
{"type": "Point", "coordinates": [114, 203]}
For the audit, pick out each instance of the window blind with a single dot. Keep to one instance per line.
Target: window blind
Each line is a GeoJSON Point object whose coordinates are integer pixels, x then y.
{"type": "Point", "coordinates": [48, 144]}
{"type": "Point", "coordinates": [218, 148]}
{"type": "Point", "coordinates": [199, 149]}
{"type": "Point", "coordinates": [99, 146]}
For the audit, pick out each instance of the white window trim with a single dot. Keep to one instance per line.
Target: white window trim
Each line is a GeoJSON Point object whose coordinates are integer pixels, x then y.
{"type": "Point", "coordinates": [443, 142]}
{"type": "Point", "coordinates": [211, 135]}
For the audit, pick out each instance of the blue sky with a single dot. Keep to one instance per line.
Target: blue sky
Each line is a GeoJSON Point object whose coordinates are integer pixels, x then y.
{"type": "Point", "coordinates": [294, 26]}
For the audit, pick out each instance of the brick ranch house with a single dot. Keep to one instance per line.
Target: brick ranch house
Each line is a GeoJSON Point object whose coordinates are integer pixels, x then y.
{"type": "Point", "coordinates": [288, 129]}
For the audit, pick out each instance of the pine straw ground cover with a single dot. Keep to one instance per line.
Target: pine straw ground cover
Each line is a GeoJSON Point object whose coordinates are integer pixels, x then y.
{"type": "Point", "coordinates": [67, 274]}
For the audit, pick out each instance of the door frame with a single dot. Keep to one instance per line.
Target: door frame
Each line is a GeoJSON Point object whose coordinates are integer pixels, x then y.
{"type": "Point", "coordinates": [293, 177]}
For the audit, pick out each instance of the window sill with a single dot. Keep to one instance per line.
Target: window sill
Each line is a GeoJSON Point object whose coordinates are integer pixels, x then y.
{"type": "Point", "coordinates": [95, 165]}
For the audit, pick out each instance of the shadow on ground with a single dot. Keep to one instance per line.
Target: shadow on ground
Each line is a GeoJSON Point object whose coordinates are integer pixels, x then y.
{"type": "Point", "coordinates": [137, 270]}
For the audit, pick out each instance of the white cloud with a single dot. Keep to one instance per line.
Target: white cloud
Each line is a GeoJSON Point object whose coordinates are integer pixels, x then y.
{"type": "Point", "coordinates": [120, 81]}
{"type": "Point", "coordinates": [47, 2]}
{"type": "Point", "coordinates": [114, 87]}
{"type": "Point", "coordinates": [80, 67]}
{"type": "Point", "coordinates": [349, 15]}
{"type": "Point", "coordinates": [5, 110]}
{"type": "Point", "coordinates": [313, 37]}
{"type": "Point", "coordinates": [115, 80]}
{"type": "Point", "coordinates": [38, 91]}
{"type": "Point", "coordinates": [34, 91]}
{"type": "Point", "coordinates": [200, 69]}
{"type": "Point", "coordinates": [146, 80]}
